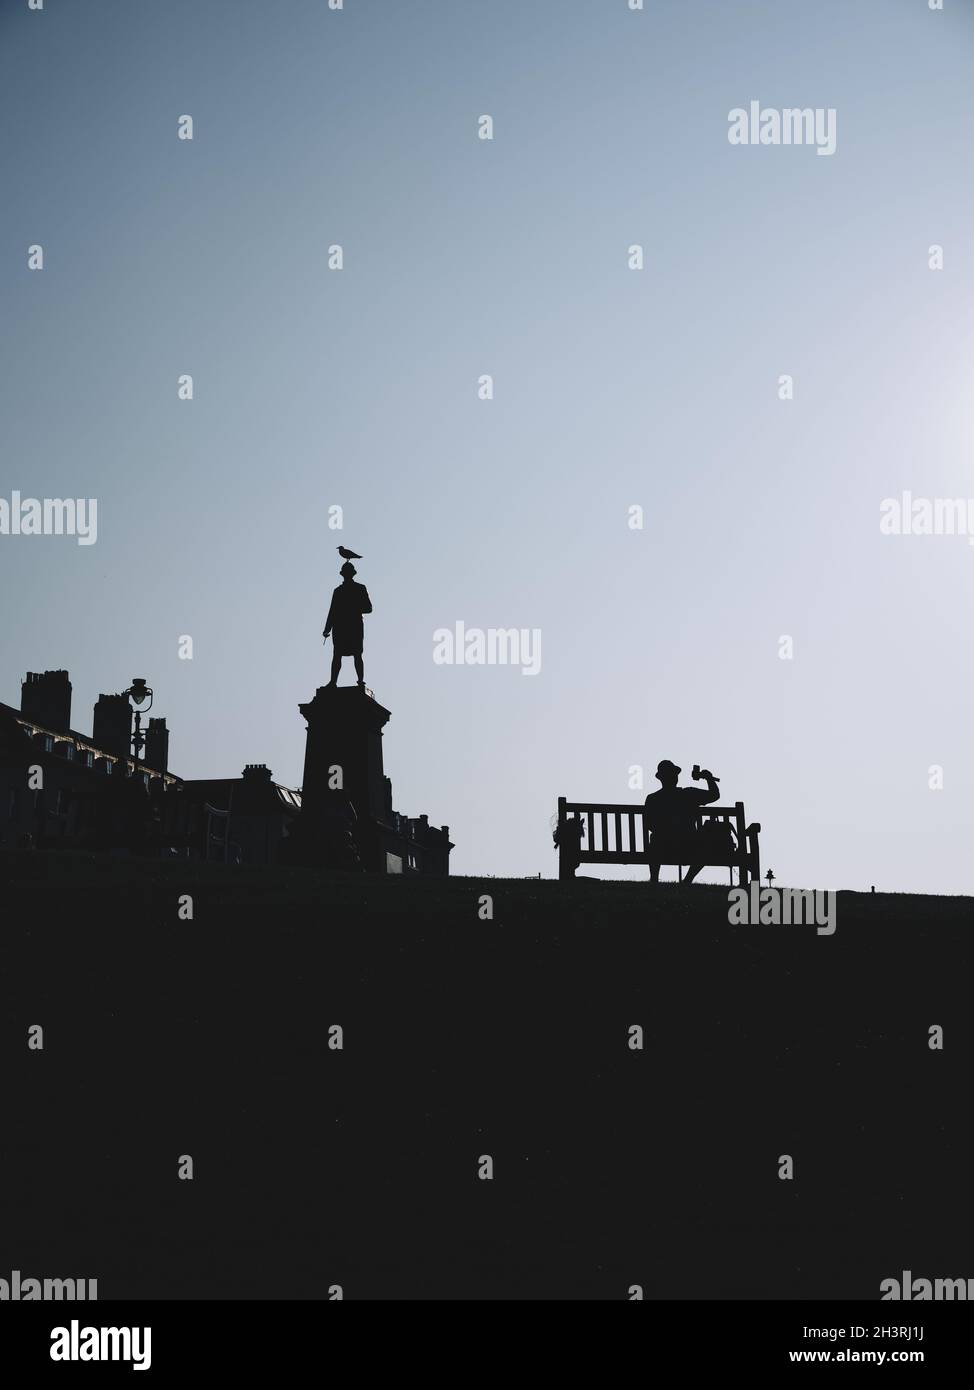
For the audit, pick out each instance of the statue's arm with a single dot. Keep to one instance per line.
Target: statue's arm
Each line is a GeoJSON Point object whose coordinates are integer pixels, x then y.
{"type": "Point", "coordinates": [366, 601]}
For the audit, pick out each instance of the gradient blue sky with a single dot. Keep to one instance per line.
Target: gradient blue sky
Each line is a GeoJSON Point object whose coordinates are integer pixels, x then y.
{"type": "Point", "coordinates": [613, 388]}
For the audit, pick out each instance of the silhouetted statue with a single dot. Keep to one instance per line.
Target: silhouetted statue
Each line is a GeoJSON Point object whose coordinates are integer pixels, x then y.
{"type": "Point", "coordinates": [671, 820]}
{"type": "Point", "coordinates": [348, 603]}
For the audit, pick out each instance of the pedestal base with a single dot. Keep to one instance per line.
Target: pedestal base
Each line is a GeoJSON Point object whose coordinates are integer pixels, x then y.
{"type": "Point", "coordinates": [343, 774]}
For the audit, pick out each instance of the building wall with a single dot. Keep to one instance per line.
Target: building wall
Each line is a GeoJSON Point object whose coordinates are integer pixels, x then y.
{"type": "Point", "coordinates": [97, 798]}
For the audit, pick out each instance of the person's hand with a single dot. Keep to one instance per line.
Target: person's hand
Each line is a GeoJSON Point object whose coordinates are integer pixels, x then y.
{"type": "Point", "coordinates": [325, 633]}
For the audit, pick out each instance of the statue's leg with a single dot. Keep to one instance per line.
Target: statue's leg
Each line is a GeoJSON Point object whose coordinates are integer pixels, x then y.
{"type": "Point", "coordinates": [359, 668]}
{"type": "Point", "coordinates": [336, 666]}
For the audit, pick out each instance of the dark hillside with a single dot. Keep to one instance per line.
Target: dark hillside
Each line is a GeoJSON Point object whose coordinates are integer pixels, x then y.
{"type": "Point", "coordinates": [465, 1037]}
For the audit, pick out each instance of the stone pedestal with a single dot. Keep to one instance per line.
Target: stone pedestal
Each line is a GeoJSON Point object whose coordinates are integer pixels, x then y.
{"type": "Point", "coordinates": [343, 758]}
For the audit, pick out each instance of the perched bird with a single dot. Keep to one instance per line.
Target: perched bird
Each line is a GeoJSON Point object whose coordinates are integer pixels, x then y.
{"type": "Point", "coordinates": [347, 554]}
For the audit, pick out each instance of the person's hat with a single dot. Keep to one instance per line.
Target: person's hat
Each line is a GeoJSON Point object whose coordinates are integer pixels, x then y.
{"type": "Point", "coordinates": [667, 766]}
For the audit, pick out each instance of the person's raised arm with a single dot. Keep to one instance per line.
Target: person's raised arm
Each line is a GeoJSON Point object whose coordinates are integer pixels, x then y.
{"type": "Point", "coordinates": [713, 790]}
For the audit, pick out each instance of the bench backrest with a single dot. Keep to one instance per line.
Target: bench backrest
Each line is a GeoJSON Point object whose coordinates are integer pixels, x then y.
{"type": "Point", "coordinates": [615, 833]}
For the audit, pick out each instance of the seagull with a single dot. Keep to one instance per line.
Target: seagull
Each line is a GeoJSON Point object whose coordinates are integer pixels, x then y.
{"type": "Point", "coordinates": [347, 554]}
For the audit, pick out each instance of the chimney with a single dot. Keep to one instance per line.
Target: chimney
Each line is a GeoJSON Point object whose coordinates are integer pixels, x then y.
{"type": "Point", "coordinates": [257, 772]}
{"type": "Point", "coordinates": [45, 698]}
{"type": "Point", "coordinates": [156, 752]}
{"type": "Point", "coordinates": [111, 728]}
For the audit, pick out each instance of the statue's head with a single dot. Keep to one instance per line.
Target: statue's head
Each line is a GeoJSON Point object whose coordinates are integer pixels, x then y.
{"type": "Point", "coordinates": [348, 571]}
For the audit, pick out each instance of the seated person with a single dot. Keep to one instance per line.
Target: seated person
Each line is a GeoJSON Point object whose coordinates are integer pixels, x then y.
{"type": "Point", "coordinates": [671, 820]}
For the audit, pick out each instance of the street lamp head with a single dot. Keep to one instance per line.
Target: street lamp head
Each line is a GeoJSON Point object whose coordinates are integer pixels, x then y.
{"type": "Point", "coordinates": [140, 691]}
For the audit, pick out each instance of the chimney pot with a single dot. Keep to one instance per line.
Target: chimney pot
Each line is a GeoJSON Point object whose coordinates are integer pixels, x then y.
{"type": "Point", "coordinates": [45, 698]}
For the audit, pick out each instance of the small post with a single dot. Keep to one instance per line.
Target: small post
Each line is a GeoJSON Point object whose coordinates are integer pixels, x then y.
{"type": "Point", "coordinates": [564, 868]}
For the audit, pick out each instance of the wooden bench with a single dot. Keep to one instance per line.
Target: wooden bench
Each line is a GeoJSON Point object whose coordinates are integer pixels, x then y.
{"type": "Point", "coordinates": [617, 834]}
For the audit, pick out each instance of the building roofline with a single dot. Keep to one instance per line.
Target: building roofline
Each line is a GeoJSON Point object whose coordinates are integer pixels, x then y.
{"type": "Point", "coordinates": [85, 742]}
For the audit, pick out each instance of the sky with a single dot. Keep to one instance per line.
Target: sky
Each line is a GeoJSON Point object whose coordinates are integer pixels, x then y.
{"type": "Point", "coordinates": [613, 388]}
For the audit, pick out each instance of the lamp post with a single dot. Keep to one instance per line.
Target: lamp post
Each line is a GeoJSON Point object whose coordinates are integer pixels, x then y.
{"type": "Point", "coordinates": [138, 693]}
